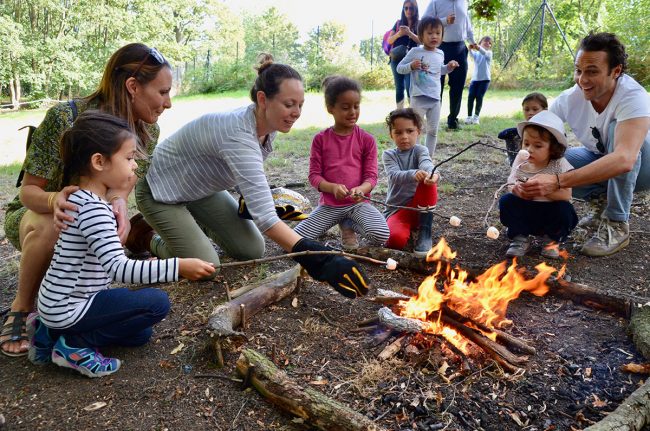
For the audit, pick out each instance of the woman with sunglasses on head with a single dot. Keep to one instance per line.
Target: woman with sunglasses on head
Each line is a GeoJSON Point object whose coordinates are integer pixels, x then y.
{"type": "Point", "coordinates": [403, 37]}
{"type": "Point", "coordinates": [185, 194]}
{"type": "Point", "coordinates": [135, 87]}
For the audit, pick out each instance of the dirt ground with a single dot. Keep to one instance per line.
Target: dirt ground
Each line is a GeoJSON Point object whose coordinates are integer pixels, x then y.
{"type": "Point", "coordinates": [572, 381]}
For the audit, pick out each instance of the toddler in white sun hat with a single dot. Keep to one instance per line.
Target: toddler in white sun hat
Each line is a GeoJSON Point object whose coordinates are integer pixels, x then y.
{"type": "Point", "coordinates": [552, 216]}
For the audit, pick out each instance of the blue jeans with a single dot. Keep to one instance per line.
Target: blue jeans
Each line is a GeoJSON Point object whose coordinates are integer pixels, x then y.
{"type": "Point", "coordinates": [554, 219]}
{"type": "Point", "coordinates": [620, 190]}
{"type": "Point", "coordinates": [118, 317]}
{"type": "Point", "coordinates": [477, 90]}
{"type": "Point", "coordinates": [402, 82]}
{"type": "Point", "coordinates": [454, 51]}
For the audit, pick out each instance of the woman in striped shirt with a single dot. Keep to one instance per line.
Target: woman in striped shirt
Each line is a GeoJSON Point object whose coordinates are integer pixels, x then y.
{"type": "Point", "coordinates": [78, 311]}
{"type": "Point", "coordinates": [185, 195]}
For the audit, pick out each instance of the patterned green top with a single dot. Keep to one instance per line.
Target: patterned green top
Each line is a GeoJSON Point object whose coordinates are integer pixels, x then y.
{"type": "Point", "coordinates": [43, 159]}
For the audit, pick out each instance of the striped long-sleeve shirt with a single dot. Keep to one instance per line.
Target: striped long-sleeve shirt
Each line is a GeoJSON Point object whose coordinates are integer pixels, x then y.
{"type": "Point", "coordinates": [215, 152]}
{"type": "Point", "coordinates": [87, 256]}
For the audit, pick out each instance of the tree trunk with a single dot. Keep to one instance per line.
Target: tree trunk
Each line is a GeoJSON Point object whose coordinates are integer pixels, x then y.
{"type": "Point", "coordinates": [314, 407]}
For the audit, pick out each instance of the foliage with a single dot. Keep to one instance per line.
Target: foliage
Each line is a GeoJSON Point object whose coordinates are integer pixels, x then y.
{"type": "Point", "coordinates": [58, 48]}
{"type": "Point", "coordinates": [486, 9]}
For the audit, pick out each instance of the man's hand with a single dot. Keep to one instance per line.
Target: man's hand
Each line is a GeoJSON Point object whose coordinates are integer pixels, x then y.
{"type": "Point", "coordinates": [344, 275]}
{"type": "Point", "coordinates": [537, 186]}
{"type": "Point", "coordinates": [451, 18]}
{"type": "Point", "coordinates": [121, 216]}
{"type": "Point", "coordinates": [195, 269]}
{"type": "Point", "coordinates": [61, 204]}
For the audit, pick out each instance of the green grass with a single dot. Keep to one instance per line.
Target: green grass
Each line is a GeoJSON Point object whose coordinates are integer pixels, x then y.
{"type": "Point", "coordinates": [10, 170]}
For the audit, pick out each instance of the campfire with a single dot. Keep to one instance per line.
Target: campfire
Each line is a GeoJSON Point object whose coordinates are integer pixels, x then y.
{"type": "Point", "coordinates": [465, 310]}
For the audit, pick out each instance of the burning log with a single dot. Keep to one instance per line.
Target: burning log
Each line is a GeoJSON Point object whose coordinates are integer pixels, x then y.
{"type": "Point", "coordinates": [309, 404]}
{"type": "Point", "coordinates": [501, 336]}
{"type": "Point", "coordinates": [500, 354]}
{"type": "Point", "coordinates": [226, 317]}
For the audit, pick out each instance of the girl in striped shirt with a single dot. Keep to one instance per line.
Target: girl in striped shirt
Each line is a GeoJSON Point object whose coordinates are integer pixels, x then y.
{"type": "Point", "coordinates": [78, 311]}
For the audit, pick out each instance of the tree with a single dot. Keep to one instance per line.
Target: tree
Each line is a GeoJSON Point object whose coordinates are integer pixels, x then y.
{"type": "Point", "coordinates": [273, 33]}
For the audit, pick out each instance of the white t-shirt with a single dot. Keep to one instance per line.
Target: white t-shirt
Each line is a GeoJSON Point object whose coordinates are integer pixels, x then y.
{"type": "Point", "coordinates": [630, 100]}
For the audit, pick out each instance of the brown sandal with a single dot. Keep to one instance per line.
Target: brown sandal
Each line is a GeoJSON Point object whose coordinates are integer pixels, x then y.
{"type": "Point", "coordinates": [16, 331]}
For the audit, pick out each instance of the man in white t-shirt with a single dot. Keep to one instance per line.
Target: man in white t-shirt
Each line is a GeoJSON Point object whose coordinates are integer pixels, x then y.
{"type": "Point", "coordinates": [609, 112]}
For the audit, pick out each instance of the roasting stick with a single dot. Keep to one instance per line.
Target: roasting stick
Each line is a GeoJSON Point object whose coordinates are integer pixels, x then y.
{"type": "Point", "coordinates": [390, 264]}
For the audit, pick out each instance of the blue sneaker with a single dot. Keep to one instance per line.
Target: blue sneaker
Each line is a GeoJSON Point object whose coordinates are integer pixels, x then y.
{"type": "Point", "coordinates": [87, 361]}
{"type": "Point", "coordinates": [40, 341]}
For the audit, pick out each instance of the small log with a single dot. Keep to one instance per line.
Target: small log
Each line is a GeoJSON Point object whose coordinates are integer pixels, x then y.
{"type": "Point", "coordinates": [392, 349]}
{"type": "Point", "coordinates": [503, 337]}
{"type": "Point", "coordinates": [399, 323]}
{"type": "Point", "coordinates": [226, 317]}
{"type": "Point", "coordinates": [640, 329]}
{"type": "Point", "coordinates": [312, 406]}
{"type": "Point", "coordinates": [606, 300]}
{"type": "Point", "coordinates": [632, 415]}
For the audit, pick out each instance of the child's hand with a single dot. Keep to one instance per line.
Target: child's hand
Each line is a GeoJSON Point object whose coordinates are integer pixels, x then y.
{"type": "Point", "coordinates": [474, 46]}
{"type": "Point", "coordinates": [431, 181]}
{"type": "Point", "coordinates": [421, 175]}
{"type": "Point", "coordinates": [453, 64]}
{"type": "Point", "coordinates": [356, 194]}
{"type": "Point", "coordinates": [195, 269]}
{"type": "Point", "coordinates": [340, 191]}
{"type": "Point", "coordinates": [416, 65]}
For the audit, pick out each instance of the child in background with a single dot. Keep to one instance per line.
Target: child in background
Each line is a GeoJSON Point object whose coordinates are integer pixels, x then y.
{"type": "Point", "coordinates": [78, 311]}
{"type": "Point", "coordinates": [426, 64]}
{"type": "Point", "coordinates": [343, 167]}
{"type": "Point", "coordinates": [531, 105]}
{"type": "Point", "coordinates": [408, 167]}
{"type": "Point", "coordinates": [482, 55]}
{"type": "Point", "coordinates": [551, 216]}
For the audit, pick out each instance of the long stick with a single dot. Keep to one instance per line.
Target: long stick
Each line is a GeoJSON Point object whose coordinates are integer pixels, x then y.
{"type": "Point", "coordinates": [301, 253]}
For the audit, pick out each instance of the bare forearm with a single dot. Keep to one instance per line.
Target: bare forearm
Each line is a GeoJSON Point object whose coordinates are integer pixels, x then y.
{"type": "Point", "coordinates": [560, 195]}
{"type": "Point", "coordinates": [283, 236]}
{"type": "Point", "coordinates": [36, 199]}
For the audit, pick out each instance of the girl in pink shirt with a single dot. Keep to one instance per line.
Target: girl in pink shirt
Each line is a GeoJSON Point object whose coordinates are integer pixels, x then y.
{"type": "Point", "coordinates": [343, 167]}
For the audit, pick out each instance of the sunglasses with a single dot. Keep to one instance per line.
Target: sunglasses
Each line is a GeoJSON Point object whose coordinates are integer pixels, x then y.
{"type": "Point", "coordinates": [155, 54]}
{"type": "Point", "coordinates": [599, 141]}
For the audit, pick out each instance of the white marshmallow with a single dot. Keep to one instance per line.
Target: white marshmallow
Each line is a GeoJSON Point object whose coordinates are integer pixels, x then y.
{"type": "Point", "coordinates": [454, 221]}
{"type": "Point", "coordinates": [492, 232]}
{"type": "Point", "coordinates": [523, 154]}
{"type": "Point", "coordinates": [391, 264]}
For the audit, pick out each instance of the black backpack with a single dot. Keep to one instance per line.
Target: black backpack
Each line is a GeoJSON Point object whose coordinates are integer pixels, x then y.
{"type": "Point", "coordinates": [30, 132]}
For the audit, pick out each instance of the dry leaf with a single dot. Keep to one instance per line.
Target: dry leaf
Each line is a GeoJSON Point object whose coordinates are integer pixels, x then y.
{"type": "Point", "coordinates": [166, 364]}
{"type": "Point", "coordinates": [636, 368]}
{"type": "Point", "coordinates": [319, 382]}
{"type": "Point", "coordinates": [443, 368]}
{"type": "Point", "coordinates": [515, 417]}
{"type": "Point", "coordinates": [177, 349]}
{"type": "Point", "coordinates": [598, 403]}
{"type": "Point", "coordinates": [95, 406]}
{"type": "Point", "coordinates": [587, 372]}
{"type": "Point", "coordinates": [294, 302]}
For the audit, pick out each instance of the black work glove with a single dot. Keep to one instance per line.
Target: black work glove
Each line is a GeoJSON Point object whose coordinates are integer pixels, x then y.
{"type": "Point", "coordinates": [344, 275]}
{"type": "Point", "coordinates": [285, 212]}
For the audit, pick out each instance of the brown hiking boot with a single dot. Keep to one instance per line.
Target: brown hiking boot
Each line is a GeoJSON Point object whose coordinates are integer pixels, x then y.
{"type": "Point", "coordinates": [610, 237]}
{"type": "Point", "coordinates": [139, 239]}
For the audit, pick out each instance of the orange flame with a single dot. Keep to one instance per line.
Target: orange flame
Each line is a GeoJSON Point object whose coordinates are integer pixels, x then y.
{"type": "Point", "coordinates": [484, 299]}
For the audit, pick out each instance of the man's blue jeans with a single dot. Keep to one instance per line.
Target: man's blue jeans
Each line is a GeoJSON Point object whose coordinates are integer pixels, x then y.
{"type": "Point", "coordinates": [119, 317]}
{"type": "Point", "coordinates": [620, 190]}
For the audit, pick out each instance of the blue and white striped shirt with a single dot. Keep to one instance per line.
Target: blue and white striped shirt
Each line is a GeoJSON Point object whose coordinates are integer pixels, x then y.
{"type": "Point", "coordinates": [213, 153]}
{"type": "Point", "coordinates": [87, 257]}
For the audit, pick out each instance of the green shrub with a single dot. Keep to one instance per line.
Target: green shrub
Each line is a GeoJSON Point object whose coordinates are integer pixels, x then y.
{"type": "Point", "coordinates": [379, 78]}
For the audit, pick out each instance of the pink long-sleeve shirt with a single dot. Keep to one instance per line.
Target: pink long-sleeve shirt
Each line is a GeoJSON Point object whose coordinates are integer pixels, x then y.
{"type": "Point", "coordinates": [350, 160]}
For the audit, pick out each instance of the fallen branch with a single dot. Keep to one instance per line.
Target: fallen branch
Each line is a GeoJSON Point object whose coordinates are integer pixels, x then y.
{"type": "Point", "coordinates": [312, 406]}
{"type": "Point", "coordinates": [226, 317]}
{"type": "Point", "coordinates": [301, 253]}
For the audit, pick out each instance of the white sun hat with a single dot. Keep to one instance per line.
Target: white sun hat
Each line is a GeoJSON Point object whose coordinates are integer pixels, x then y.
{"type": "Point", "coordinates": [550, 122]}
